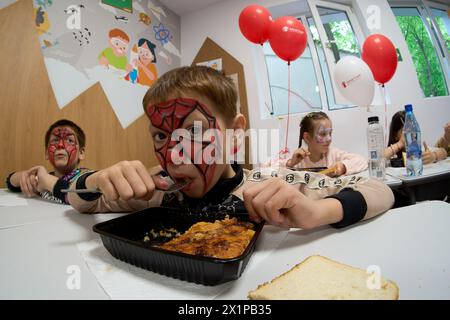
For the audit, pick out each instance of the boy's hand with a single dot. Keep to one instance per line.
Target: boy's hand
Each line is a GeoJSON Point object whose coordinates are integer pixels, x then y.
{"type": "Point", "coordinates": [44, 180]}
{"type": "Point", "coordinates": [279, 203]}
{"type": "Point", "coordinates": [126, 180]}
{"type": "Point", "coordinates": [28, 182]}
{"type": "Point", "coordinates": [298, 156]}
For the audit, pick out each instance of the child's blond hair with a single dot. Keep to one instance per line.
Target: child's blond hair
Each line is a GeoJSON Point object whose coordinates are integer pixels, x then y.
{"type": "Point", "coordinates": [204, 81]}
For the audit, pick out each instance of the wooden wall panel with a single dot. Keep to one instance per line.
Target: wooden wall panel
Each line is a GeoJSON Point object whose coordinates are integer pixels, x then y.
{"type": "Point", "coordinates": [28, 106]}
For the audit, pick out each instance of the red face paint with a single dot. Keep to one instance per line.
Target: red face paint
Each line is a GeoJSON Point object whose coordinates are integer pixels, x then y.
{"type": "Point", "coordinates": [63, 139]}
{"type": "Point", "coordinates": [169, 116]}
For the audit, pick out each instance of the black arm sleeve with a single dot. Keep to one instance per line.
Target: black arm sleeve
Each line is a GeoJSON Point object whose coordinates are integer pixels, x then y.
{"type": "Point", "coordinates": [10, 186]}
{"type": "Point", "coordinates": [81, 184]}
{"type": "Point", "coordinates": [59, 185]}
{"type": "Point", "coordinates": [354, 206]}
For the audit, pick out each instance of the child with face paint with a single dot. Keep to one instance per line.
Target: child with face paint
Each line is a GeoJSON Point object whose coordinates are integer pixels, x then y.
{"type": "Point", "coordinates": [192, 107]}
{"type": "Point", "coordinates": [187, 106]}
{"type": "Point", "coordinates": [65, 143]}
{"type": "Point", "coordinates": [316, 130]}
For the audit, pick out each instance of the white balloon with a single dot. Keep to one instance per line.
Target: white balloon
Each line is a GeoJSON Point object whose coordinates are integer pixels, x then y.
{"type": "Point", "coordinates": [355, 81]}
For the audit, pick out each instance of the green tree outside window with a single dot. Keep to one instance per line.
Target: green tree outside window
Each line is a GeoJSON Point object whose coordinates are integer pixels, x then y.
{"type": "Point", "coordinates": [423, 53]}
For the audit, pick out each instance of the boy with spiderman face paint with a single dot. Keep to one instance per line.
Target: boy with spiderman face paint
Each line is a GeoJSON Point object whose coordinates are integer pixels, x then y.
{"type": "Point", "coordinates": [189, 109]}
{"type": "Point", "coordinates": [65, 143]}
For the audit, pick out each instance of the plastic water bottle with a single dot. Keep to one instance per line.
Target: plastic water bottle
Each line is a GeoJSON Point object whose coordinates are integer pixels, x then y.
{"type": "Point", "coordinates": [375, 142]}
{"type": "Point", "coordinates": [411, 130]}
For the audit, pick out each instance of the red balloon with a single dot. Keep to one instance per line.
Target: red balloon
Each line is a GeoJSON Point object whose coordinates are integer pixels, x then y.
{"type": "Point", "coordinates": [380, 54]}
{"type": "Point", "coordinates": [254, 22]}
{"type": "Point", "coordinates": [288, 38]}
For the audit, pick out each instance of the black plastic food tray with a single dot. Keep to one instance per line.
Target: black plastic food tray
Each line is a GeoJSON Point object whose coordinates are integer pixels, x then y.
{"type": "Point", "coordinates": [123, 238]}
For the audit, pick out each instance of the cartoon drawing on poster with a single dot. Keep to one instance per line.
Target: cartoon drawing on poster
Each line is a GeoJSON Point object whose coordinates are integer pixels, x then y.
{"type": "Point", "coordinates": [85, 42]}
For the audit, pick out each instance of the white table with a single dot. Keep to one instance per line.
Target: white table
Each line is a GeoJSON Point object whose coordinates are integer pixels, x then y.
{"type": "Point", "coordinates": [435, 175]}
{"type": "Point", "coordinates": [409, 244]}
{"type": "Point", "coordinates": [431, 172]}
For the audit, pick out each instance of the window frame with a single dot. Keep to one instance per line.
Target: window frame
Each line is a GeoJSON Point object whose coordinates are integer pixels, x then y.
{"type": "Point", "coordinates": [357, 30]}
{"type": "Point", "coordinates": [424, 12]}
{"type": "Point", "coordinates": [267, 110]}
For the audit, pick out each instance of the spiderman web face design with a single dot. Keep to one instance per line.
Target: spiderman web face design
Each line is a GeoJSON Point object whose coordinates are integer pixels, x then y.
{"type": "Point", "coordinates": [63, 143]}
{"type": "Point", "coordinates": [180, 139]}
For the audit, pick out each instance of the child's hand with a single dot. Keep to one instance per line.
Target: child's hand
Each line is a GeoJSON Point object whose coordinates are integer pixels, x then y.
{"type": "Point", "coordinates": [28, 182]}
{"type": "Point", "coordinates": [298, 156]}
{"type": "Point", "coordinates": [44, 180]}
{"type": "Point", "coordinates": [428, 156]}
{"type": "Point", "coordinates": [126, 180]}
{"type": "Point", "coordinates": [339, 170]}
{"type": "Point", "coordinates": [279, 203]}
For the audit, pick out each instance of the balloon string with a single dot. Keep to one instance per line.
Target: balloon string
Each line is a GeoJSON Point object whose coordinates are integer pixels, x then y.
{"type": "Point", "coordinates": [289, 106]}
{"type": "Point", "coordinates": [385, 115]}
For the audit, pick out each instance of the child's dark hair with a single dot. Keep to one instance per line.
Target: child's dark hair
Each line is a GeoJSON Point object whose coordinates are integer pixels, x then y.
{"type": "Point", "coordinates": [397, 123]}
{"type": "Point", "coordinates": [307, 123]}
{"type": "Point", "coordinates": [67, 123]}
{"type": "Point", "coordinates": [150, 45]}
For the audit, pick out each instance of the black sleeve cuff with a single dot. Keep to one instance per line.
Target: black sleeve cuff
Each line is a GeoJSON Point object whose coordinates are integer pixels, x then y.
{"type": "Point", "coordinates": [354, 206]}
{"type": "Point", "coordinates": [59, 185]}
{"type": "Point", "coordinates": [81, 184]}
{"type": "Point", "coordinates": [10, 186]}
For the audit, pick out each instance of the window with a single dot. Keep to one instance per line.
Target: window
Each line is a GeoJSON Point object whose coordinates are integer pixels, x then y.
{"type": "Point", "coordinates": [343, 43]}
{"type": "Point", "coordinates": [422, 47]}
{"type": "Point", "coordinates": [336, 34]}
{"type": "Point", "coordinates": [304, 95]}
{"type": "Point", "coordinates": [312, 86]}
{"type": "Point", "coordinates": [443, 24]}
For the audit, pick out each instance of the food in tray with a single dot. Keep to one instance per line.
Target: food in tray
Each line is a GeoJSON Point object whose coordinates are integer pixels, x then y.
{"type": "Point", "coordinates": [319, 278]}
{"type": "Point", "coordinates": [223, 239]}
{"type": "Point", "coordinates": [164, 233]}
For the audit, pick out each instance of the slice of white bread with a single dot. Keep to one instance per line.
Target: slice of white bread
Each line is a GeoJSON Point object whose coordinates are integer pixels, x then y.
{"type": "Point", "coordinates": [319, 278]}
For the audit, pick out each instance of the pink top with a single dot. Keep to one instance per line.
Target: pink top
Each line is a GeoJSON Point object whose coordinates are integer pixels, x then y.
{"type": "Point", "coordinates": [354, 163]}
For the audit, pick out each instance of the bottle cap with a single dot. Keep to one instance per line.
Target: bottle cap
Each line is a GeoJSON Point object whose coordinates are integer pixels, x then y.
{"type": "Point", "coordinates": [373, 119]}
{"type": "Point", "coordinates": [408, 107]}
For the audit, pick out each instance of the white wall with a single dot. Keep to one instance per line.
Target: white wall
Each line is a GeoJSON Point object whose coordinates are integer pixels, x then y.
{"type": "Point", "coordinates": [220, 23]}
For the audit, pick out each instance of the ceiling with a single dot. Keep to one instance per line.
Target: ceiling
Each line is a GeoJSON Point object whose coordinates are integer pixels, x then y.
{"type": "Point", "coordinates": [182, 7]}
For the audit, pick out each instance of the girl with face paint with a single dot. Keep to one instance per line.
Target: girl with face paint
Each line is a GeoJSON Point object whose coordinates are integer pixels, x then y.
{"type": "Point", "coordinates": [316, 130]}
{"type": "Point", "coordinates": [65, 143]}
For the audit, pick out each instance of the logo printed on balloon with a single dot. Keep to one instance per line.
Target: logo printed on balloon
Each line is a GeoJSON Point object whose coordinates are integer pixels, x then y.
{"type": "Point", "coordinates": [346, 83]}
{"type": "Point", "coordinates": [288, 38]}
